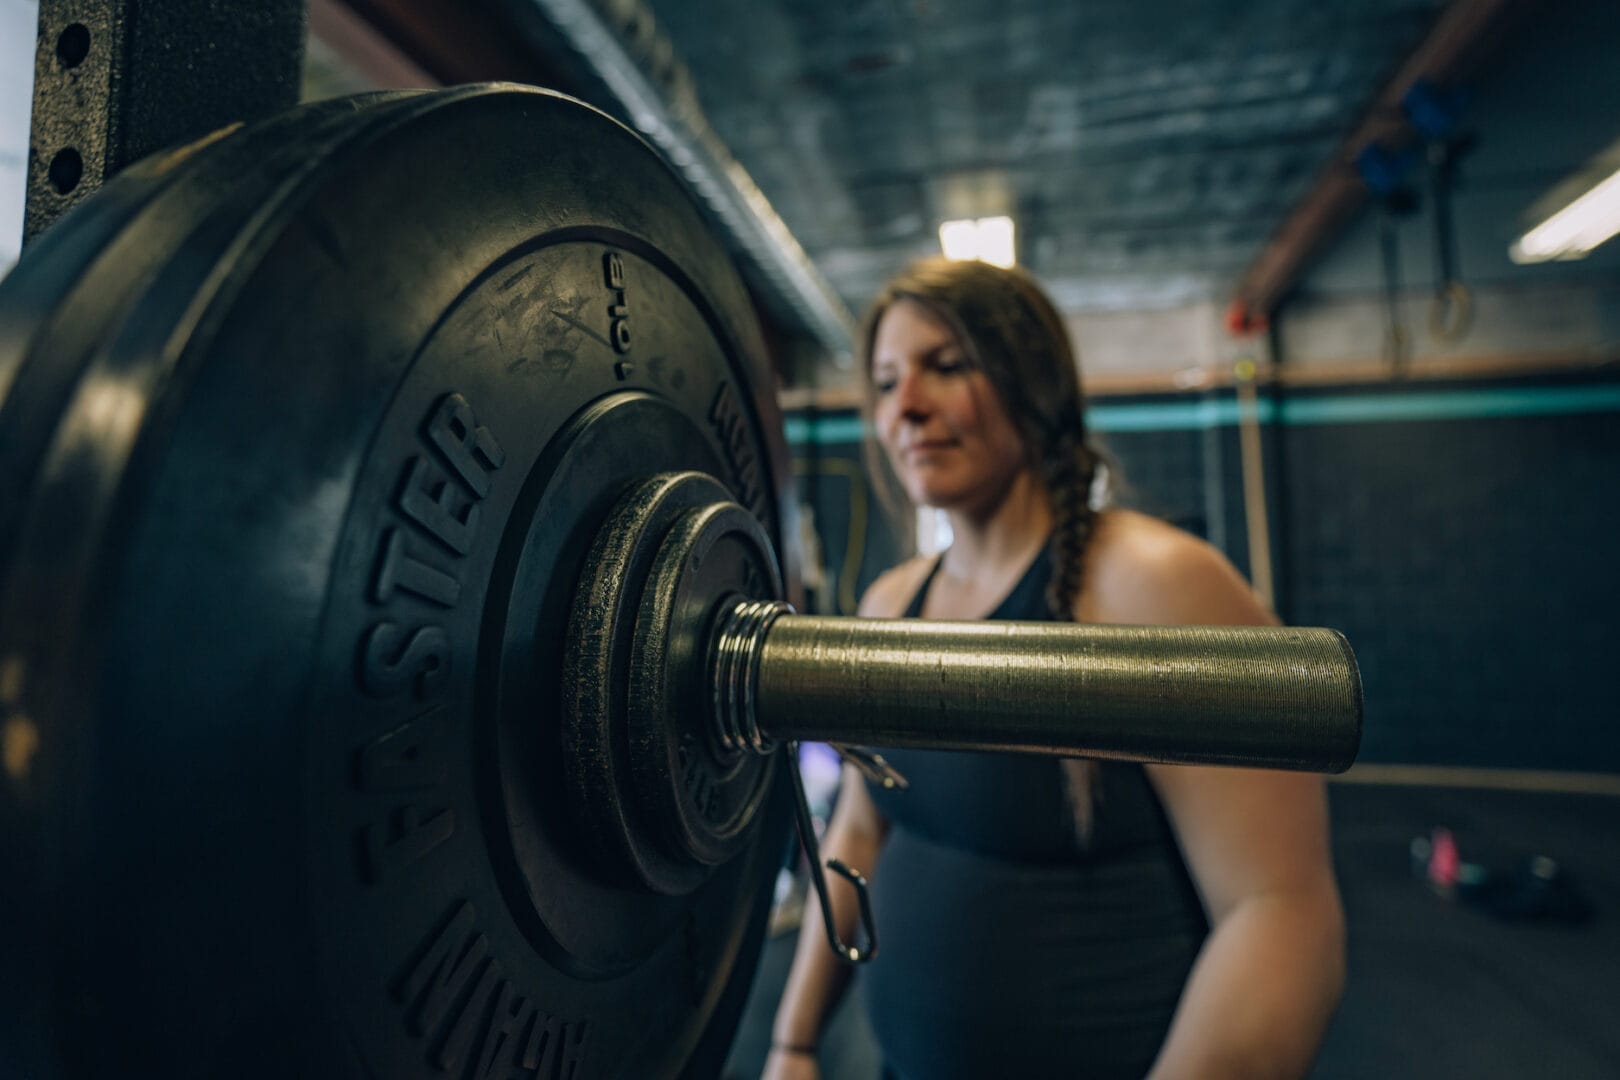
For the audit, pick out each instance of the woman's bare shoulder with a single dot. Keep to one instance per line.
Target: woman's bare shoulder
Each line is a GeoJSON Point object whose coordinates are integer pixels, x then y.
{"type": "Point", "coordinates": [893, 589]}
{"type": "Point", "coordinates": [1144, 570]}
{"type": "Point", "coordinates": [1130, 538]}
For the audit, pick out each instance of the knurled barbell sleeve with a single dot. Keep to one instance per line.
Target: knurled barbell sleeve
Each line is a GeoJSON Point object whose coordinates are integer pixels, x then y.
{"type": "Point", "coordinates": [1272, 697]}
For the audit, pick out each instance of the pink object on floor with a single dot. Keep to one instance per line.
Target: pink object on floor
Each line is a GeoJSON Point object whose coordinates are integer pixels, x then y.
{"type": "Point", "coordinates": [1443, 859]}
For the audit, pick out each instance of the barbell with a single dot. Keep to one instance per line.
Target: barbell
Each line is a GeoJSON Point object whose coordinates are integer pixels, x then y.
{"type": "Point", "coordinates": [394, 637]}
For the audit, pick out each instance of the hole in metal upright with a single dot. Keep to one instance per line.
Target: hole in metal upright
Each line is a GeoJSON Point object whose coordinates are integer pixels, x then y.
{"type": "Point", "coordinates": [73, 45]}
{"type": "Point", "coordinates": [66, 170]}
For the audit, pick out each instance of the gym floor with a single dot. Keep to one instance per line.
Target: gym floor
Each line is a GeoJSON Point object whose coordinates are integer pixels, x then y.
{"type": "Point", "coordinates": [1522, 984]}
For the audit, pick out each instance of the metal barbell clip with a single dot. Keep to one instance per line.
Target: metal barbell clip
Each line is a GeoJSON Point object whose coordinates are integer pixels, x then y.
{"type": "Point", "coordinates": [850, 954]}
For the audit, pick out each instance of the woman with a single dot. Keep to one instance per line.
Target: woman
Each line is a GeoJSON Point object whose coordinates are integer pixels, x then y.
{"type": "Point", "coordinates": [1042, 918]}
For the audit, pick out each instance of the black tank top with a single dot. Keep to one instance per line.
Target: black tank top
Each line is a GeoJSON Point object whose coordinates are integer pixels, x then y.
{"type": "Point", "coordinates": [1009, 947]}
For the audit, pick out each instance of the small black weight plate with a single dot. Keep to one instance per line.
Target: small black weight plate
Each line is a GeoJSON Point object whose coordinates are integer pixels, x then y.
{"type": "Point", "coordinates": [713, 557]}
{"type": "Point", "coordinates": [284, 612]}
{"type": "Point", "coordinates": [658, 805]}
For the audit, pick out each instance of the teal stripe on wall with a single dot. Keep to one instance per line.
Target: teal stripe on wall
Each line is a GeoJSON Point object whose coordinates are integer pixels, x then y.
{"type": "Point", "coordinates": [823, 430]}
{"type": "Point", "coordinates": [1337, 409]}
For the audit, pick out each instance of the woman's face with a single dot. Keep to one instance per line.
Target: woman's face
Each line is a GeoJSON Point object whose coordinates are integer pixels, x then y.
{"type": "Point", "coordinates": [939, 420]}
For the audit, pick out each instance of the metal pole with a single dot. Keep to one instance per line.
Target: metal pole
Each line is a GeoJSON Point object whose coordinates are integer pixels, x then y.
{"type": "Point", "coordinates": [1271, 697]}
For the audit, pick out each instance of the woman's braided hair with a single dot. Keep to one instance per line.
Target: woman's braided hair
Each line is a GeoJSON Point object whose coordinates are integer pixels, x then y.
{"type": "Point", "coordinates": [1012, 332]}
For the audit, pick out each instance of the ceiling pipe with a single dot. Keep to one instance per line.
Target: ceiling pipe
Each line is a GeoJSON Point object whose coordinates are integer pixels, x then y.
{"type": "Point", "coordinates": [365, 48]}
{"type": "Point", "coordinates": [1462, 38]}
{"type": "Point", "coordinates": [624, 48]}
{"type": "Point", "coordinates": [448, 43]}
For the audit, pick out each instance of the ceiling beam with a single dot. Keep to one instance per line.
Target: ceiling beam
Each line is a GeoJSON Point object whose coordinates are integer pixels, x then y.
{"type": "Point", "coordinates": [372, 55]}
{"type": "Point", "coordinates": [581, 51]}
{"type": "Point", "coordinates": [1463, 37]}
{"type": "Point", "coordinates": [450, 43]}
{"type": "Point", "coordinates": [624, 47]}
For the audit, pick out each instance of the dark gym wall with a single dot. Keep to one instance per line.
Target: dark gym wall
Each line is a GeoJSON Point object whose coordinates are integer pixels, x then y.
{"type": "Point", "coordinates": [1471, 561]}
{"type": "Point", "coordinates": [1461, 536]}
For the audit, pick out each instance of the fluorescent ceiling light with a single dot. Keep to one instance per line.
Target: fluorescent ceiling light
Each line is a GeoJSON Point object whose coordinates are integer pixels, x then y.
{"type": "Point", "coordinates": [1575, 230]}
{"type": "Point", "coordinates": [988, 239]}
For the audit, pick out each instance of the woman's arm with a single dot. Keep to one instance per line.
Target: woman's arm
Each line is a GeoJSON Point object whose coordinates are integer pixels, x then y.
{"type": "Point", "coordinates": [855, 835]}
{"type": "Point", "coordinates": [1269, 976]}
{"type": "Point", "coordinates": [817, 980]}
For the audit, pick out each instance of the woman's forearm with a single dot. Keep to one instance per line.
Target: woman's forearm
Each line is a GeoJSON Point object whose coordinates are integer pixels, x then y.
{"type": "Point", "coordinates": [1262, 992]}
{"type": "Point", "coordinates": [818, 978]}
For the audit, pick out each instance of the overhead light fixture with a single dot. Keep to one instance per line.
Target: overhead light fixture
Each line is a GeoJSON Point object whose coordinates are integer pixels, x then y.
{"type": "Point", "coordinates": [1575, 230]}
{"type": "Point", "coordinates": [987, 239]}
